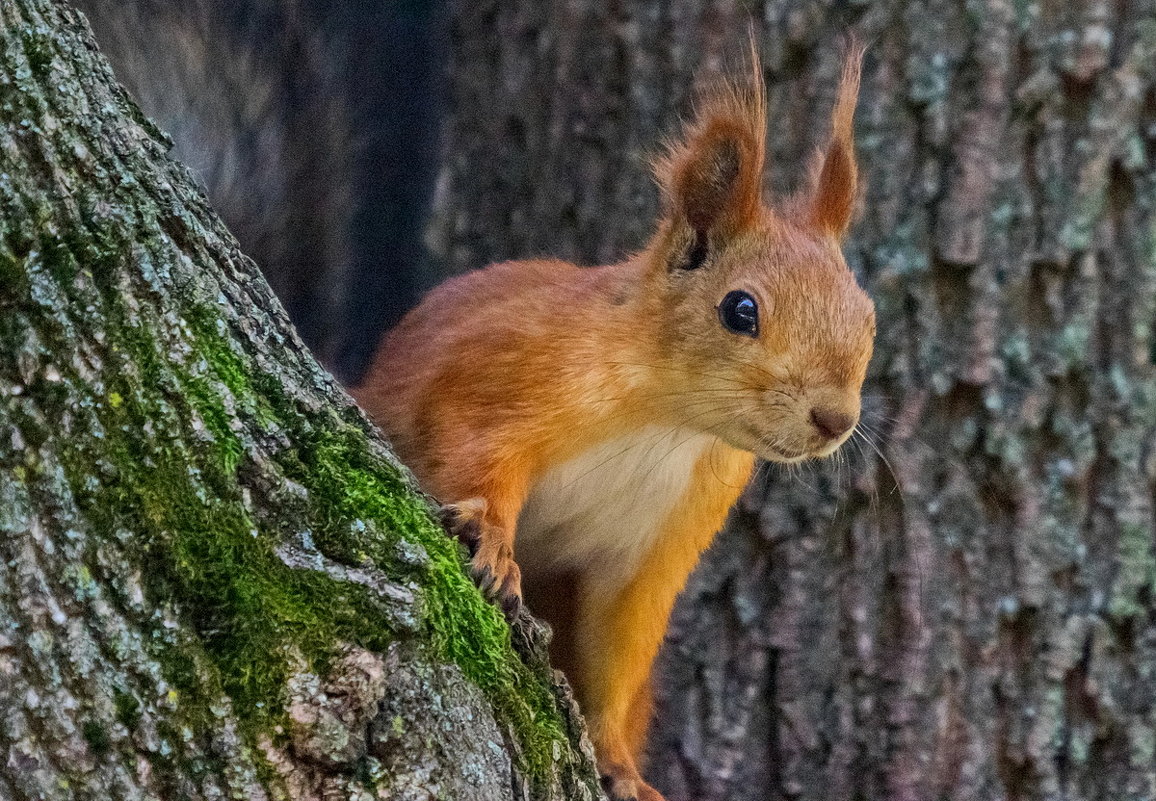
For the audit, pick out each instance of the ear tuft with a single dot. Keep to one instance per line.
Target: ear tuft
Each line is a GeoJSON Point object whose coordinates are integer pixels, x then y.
{"type": "Point", "coordinates": [708, 181]}
{"type": "Point", "coordinates": [712, 177]}
{"type": "Point", "coordinates": [834, 189]}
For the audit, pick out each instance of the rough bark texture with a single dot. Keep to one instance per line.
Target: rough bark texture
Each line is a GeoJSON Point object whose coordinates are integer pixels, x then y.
{"type": "Point", "coordinates": [964, 609]}
{"type": "Point", "coordinates": [215, 579]}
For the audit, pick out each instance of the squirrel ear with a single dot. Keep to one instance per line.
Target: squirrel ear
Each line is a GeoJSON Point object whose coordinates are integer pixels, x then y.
{"type": "Point", "coordinates": [835, 186]}
{"type": "Point", "coordinates": [712, 178]}
{"type": "Point", "coordinates": [715, 185]}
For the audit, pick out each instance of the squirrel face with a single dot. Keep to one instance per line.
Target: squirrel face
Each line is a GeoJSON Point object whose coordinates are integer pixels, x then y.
{"type": "Point", "coordinates": [770, 337]}
{"type": "Point", "coordinates": [769, 328]}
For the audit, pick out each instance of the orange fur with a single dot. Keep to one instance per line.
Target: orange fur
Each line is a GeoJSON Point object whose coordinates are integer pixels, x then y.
{"type": "Point", "coordinates": [727, 138]}
{"type": "Point", "coordinates": [606, 418]}
{"type": "Point", "coordinates": [634, 617]}
{"type": "Point", "coordinates": [836, 185]}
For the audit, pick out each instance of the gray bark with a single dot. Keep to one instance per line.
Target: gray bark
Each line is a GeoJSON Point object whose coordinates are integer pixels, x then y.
{"type": "Point", "coordinates": [215, 579]}
{"type": "Point", "coordinates": [964, 606]}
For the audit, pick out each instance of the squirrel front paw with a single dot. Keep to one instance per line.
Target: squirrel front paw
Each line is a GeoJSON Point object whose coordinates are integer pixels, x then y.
{"type": "Point", "coordinates": [492, 564]}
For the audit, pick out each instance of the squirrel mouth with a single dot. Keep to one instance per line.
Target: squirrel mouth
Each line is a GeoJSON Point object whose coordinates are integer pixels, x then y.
{"type": "Point", "coordinates": [787, 454]}
{"type": "Point", "coordinates": [755, 441]}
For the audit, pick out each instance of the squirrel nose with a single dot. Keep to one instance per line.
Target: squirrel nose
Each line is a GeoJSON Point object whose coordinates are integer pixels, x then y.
{"type": "Point", "coordinates": [832, 424]}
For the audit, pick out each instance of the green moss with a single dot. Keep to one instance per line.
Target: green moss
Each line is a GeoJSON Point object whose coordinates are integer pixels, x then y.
{"type": "Point", "coordinates": [348, 484]}
{"type": "Point", "coordinates": [229, 366]}
{"type": "Point", "coordinates": [127, 710]}
{"type": "Point", "coordinates": [203, 551]}
{"type": "Point", "coordinates": [96, 736]}
{"type": "Point", "coordinates": [351, 484]}
{"type": "Point", "coordinates": [37, 44]}
{"type": "Point", "coordinates": [207, 401]}
{"type": "Point", "coordinates": [206, 553]}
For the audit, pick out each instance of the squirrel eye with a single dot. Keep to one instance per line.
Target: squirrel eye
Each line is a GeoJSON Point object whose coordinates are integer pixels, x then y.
{"type": "Point", "coordinates": [739, 313]}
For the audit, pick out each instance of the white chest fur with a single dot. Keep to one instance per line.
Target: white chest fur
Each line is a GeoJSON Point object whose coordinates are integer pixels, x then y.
{"type": "Point", "coordinates": [608, 504]}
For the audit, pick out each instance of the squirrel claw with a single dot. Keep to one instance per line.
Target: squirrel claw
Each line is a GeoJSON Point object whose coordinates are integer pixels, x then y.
{"type": "Point", "coordinates": [500, 580]}
{"type": "Point", "coordinates": [484, 578]}
{"type": "Point", "coordinates": [463, 521]}
{"type": "Point", "coordinates": [511, 606]}
{"type": "Point", "coordinates": [492, 565]}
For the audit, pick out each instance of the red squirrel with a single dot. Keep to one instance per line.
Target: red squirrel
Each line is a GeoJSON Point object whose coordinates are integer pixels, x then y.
{"type": "Point", "coordinates": [596, 424]}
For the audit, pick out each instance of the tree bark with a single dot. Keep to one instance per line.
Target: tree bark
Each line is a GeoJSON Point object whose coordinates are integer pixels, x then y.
{"type": "Point", "coordinates": [963, 606]}
{"type": "Point", "coordinates": [215, 579]}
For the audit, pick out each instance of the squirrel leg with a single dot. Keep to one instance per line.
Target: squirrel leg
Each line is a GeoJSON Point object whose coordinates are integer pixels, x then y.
{"type": "Point", "coordinates": [619, 782]}
{"type": "Point", "coordinates": [619, 631]}
{"type": "Point", "coordinates": [481, 527]}
{"type": "Point", "coordinates": [638, 719]}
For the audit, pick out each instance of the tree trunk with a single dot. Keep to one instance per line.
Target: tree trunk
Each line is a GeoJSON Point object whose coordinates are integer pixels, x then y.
{"type": "Point", "coordinates": [964, 606]}
{"type": "Point", "coordinates": [215, 579]}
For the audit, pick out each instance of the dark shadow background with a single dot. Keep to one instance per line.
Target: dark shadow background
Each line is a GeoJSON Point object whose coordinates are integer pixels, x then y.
{"type": "Point", "coordinates": [314, 128]}
{"type": "Point", "coordinates": [397, 91]}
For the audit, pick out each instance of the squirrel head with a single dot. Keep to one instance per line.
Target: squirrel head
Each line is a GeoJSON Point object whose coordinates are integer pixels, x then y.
{"type": "Point", "coordinates": [767, 332]}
